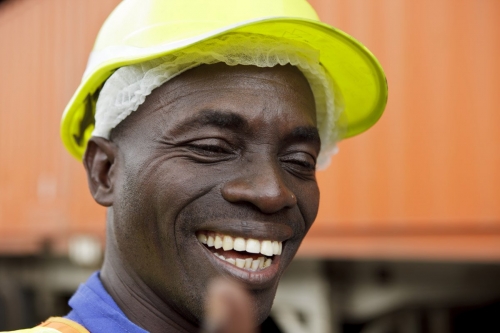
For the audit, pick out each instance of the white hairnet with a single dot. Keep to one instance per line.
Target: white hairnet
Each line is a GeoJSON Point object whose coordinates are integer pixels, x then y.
{"type": "Point", "coordinates": [126, 89]}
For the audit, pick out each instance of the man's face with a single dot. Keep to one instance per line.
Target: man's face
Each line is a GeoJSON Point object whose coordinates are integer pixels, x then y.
{"type": "Point", "coordinates": [218, 151]}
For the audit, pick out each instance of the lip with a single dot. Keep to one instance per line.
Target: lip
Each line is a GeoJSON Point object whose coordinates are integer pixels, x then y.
{"type": "Point", "coordinates": [252, 279]}
{"type": "Point", "coordinates": [254, 229]}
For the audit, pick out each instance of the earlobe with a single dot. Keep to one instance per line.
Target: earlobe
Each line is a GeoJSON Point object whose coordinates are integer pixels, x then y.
{"type": "Point", "coordinates": [99, 162]}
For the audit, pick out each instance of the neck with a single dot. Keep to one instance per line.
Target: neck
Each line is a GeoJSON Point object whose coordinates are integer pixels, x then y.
{"type": "Point", "coordinates": [135, 298]}
{"type": "Point", "coordinates": [140, 304]}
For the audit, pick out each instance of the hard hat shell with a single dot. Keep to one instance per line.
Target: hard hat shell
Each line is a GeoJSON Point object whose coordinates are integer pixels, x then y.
{"type": "Point", "coordinates": [140, 30]}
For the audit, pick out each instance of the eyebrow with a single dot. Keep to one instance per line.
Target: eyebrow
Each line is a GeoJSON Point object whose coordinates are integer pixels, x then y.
{"type": "Point", "coordinates": [230, 120]}
{"type": "Point", "coordinates": [215, 118]}
{"type": "Point", "coordinates": [304, 134]}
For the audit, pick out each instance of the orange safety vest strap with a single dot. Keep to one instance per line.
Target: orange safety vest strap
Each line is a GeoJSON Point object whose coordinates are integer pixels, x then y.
{"type": "Point", "coordinates": [63, 325]}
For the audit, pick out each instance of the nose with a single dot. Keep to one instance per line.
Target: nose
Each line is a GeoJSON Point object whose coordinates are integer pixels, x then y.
{"type": "Point", "coordinates": [263, 187]}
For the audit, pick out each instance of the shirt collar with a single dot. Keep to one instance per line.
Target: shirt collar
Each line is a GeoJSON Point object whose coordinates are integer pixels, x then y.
{"type": "Point", "coordinates": [93, 308]}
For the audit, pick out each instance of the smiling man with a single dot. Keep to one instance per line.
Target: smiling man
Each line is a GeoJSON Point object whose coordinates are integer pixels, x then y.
{"type": "Point", "coordinates": [201, 125]}
{"type": "Point", "coordinates": [212, 176]}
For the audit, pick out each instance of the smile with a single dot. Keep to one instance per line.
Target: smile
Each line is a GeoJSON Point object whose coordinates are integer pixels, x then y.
{"type": "Point", "coordinates": [248, 254]}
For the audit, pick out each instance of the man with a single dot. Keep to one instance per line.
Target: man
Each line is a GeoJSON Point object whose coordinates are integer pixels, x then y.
{"type": "Point", "coordinates": [211, 118]}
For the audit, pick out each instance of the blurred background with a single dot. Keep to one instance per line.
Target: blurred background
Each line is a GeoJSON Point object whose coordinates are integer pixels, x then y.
{"type": "Point", "coordinates": [408, 235]}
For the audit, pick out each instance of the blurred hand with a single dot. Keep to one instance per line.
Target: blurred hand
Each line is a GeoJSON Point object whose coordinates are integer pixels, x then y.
{"type": "Point", "coordinates": [228, 309]}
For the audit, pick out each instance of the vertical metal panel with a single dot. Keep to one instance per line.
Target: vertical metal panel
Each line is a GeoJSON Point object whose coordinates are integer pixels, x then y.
{"type": "Point", "coordinates": [433, 157]}
{"type": "Point", "coordinates": [431, 165]}
{"type": "Point", "coordinates": [43, 195]}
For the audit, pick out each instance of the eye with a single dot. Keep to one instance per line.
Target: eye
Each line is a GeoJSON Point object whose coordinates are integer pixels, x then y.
{"type": "Point", "coordinates": [211, 147]}
{"type": "Point", "coordinates": [301, 162]}
{"type": "Point", "coordinates": [208, 149]}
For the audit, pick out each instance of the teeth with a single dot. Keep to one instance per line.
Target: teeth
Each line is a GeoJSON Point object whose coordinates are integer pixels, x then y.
{"type": "Point", "coordinates": [255, 265]}
{"type": "Point", "coordinates": [218, 242]}
{"type": "Point", "coordinates": [220, 256]}
{"type": "Point", "coordinates": [261, 262]}
{"type": "Point", "coordinates": [276, 247]}
{"type": "Point", "coordinates": [227, 243]}
{"type": "Point", "coordinates": [240, 263]}
{"type": "Point", "coordinates": [266, 248]}
{"type": "Point", "coordinates": [202, 238]}
{"type": "Point", "coordinates": [248, 263]}
{"type": "Point", "coordinates": [268, 262]}
{"type": "Point", "coordinates": [239, 244]}
{"type": "Point", "coordinates": [210, 241]}
{"type": "Point", "coordinates": [251, 245]}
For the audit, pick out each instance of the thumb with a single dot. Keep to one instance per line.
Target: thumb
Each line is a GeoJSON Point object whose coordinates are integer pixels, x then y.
{"type": "Point", "coordinates": [228, 309]}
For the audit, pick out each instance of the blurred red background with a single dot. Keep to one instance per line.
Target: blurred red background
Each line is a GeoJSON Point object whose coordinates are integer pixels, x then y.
{"type": "Point", "coordinates": [423, 183]}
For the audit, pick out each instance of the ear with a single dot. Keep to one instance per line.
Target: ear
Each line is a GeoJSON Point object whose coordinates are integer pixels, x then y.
{"type": "Point", "coordinates": [99, 162]}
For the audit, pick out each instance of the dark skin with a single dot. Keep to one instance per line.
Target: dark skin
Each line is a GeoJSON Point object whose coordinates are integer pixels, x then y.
{"type": "Point", "coordinates": [220, 149]}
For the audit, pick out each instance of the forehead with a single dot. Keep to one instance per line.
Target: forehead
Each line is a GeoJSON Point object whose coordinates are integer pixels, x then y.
{"type": "Point", "coordinates": [279, 94]}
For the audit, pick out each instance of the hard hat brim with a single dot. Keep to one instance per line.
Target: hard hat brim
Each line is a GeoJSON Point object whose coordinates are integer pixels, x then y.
{"type": "Point", "coordinates": [359, 78]}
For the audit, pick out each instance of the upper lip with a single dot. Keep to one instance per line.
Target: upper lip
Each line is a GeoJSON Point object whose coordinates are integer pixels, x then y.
{"type": "Point", "coordinates": [250, 229]}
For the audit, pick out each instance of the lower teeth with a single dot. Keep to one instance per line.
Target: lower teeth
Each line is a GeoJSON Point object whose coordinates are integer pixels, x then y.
{"type": "Point", "coordinates": [249, 263]}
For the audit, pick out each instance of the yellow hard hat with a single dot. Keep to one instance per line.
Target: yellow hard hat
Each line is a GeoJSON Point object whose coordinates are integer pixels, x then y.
{"type": "Point", "coordinates": [141, 30]}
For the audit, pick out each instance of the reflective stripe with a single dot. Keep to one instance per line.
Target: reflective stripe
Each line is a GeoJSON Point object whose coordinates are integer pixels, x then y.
{"type": "Point", "coordinates": [62, 325]}
{"type": "Point", "coordinates": [55, 325]}
{"type": "Point", "coordinates": [36, 330]}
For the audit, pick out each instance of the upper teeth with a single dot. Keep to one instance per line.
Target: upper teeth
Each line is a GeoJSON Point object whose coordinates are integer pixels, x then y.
{"type": "Point", "coordinates": [266, 247]}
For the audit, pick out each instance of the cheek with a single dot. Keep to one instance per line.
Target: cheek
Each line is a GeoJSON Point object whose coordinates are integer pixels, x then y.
{"type": "Point", "coordinates": [155, 192]}
{"type": "Point", "coordinates": [308, 202]}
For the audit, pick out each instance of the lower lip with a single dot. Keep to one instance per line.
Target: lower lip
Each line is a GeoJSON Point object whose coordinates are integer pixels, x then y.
{"type": "Point", "coordinates": [253, 279]}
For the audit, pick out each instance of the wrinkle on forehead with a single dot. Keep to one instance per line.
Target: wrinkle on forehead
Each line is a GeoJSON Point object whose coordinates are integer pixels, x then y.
{"type": "Point", "coordinates": [205, 77]}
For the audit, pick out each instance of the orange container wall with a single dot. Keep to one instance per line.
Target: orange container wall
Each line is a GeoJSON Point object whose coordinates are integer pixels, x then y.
{"type": "Point", "coordinates": [44, 49]}
{"type": "Point", "coordinates": [424, 183]}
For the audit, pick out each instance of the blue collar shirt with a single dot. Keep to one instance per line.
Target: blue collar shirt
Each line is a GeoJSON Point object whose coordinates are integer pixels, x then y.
{"type": "Point", "coordinates": [93, 308]}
